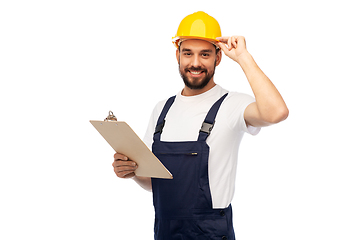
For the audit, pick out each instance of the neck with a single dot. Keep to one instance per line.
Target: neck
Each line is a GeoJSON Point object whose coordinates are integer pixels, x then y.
{"type": "Point", "coordinates": [193, 92]}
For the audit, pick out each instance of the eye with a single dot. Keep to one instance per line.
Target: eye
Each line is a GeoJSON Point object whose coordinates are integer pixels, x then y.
{"type": "Point", "coordinates": [205, 55]}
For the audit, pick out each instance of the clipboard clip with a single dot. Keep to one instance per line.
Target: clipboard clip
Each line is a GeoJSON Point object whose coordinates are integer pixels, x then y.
{"type": "Point", "coordinates": [110, 117]}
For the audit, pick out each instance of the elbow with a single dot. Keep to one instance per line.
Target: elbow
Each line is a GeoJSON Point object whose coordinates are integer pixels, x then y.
{"type": "Point", "coordinates": [281, 115]}
{"type": "Point", "coordinates": [277, 116]}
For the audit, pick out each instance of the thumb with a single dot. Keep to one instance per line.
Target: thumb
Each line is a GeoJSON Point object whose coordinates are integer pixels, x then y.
{"type": "Point", "coordinates": [223, 47]}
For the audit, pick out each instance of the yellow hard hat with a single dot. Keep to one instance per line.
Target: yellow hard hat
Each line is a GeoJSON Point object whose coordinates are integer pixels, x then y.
{"type": "Point", "coordinates": [198, 25]}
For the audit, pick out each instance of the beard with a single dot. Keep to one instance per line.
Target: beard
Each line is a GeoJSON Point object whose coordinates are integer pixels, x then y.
{"type": "Point", "coordinates": [197, 83]}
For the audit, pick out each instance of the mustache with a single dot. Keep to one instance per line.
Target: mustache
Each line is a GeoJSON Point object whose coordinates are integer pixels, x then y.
{"type": "Point", "coordinates": [196, 69]}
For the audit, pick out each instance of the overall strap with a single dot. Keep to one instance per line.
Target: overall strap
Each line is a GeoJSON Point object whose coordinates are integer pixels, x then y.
{"type": "Point", "coordinates": [209, 121]}
{"type": "Point", "coordinates": [161, 120]}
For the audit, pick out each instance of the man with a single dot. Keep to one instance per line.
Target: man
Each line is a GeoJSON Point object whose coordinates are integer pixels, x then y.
{"type": "Point", "coordinates": [196, 203]}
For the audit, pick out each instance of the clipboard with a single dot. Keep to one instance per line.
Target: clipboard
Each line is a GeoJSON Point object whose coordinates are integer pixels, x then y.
{"type": "Point", "coordinates": [124, 140]}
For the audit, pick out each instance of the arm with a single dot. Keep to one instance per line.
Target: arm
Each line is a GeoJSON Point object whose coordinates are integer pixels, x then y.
{"type": "Point", "coordinates": [269, 107]}
{"type": "Point", "coordinates": [124, 168]}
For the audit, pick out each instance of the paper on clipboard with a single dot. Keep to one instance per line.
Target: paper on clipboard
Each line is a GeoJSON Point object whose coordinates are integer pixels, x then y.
{"type": "Point", "coordinates": [124, 140]}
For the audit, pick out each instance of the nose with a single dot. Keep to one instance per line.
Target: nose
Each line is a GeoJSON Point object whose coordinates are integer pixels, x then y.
{"type": "Point", "coordinates": [196, 61]}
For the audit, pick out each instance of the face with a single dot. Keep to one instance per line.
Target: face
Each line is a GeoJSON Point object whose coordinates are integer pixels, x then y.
{"type": "Point", "coordinates": [197, 61]}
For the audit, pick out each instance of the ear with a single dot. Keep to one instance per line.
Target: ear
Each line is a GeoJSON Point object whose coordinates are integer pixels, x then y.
{"type": "Point", "coordinates": [218, 57]}
{"type": "Point", "coordinates": [177, 55]}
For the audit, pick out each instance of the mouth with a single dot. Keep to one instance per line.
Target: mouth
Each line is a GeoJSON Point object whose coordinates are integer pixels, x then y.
{"type": "Point", "coordinates": [196, 73]}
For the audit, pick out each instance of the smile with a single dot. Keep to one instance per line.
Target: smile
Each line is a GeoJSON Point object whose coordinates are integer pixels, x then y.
{"type": "Point", "coordinates": [195, 73]}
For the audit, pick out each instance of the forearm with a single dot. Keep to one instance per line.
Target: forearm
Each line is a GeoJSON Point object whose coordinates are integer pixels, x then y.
{"type": "Point", "coordinates": [270, 104]}
{"type": "Point", "coordinates": [144, 182]}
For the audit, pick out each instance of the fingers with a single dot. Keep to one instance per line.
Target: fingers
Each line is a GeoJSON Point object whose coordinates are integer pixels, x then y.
{"type": "Point", "coordinates": [223, 47]}
{"type": "Point", "coordinates": [119, 156]}
{"type": "Point", "coordinates": [231, 42]}
{"type": "Point", "coordinates": [222, 39]}
{"type": "Point", "coordinates": [123, 167]}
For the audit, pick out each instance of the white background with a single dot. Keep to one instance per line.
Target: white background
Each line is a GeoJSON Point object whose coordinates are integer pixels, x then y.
{"type": "Point", "coordinates": [63, 63]}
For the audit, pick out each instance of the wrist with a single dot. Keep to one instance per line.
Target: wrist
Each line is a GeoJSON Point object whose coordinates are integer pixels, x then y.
{"type": "Point", "coordinates": [244, 59]}
{"type": "Point", "coordinates": [243, 56]}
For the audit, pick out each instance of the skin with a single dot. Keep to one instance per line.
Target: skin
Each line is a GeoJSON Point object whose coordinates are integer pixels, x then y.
{"type": "Point", "coordinates": [197, 54]}
{"type": "Point", "coordinates": [198, 59]}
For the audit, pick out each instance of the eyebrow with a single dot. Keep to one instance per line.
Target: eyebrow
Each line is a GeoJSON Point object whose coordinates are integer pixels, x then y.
{"type": "Point", "coordinates": [202, 51]}
{"type": "Point", "coordinates": [206, 51]}
{"type": "Point", "coordinates": [186, 50]}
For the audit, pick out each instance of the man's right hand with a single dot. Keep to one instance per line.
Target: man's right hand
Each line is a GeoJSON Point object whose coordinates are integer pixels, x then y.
{"type": "Point", "coordinates": [123, 166]}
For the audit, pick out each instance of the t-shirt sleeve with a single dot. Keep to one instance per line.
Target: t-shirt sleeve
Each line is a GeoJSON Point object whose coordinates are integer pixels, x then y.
{"type": "Point", "coordinates": [240, 102]}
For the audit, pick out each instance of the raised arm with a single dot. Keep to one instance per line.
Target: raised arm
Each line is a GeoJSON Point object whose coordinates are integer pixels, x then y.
{"type": "Point", "coordinates": [269, 107]}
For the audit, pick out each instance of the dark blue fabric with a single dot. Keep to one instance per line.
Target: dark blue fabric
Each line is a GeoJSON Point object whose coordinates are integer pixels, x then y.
{"type": "Point", "coordinates": [183, 205]}
{"type": "Point", "coordinates": [210, 117]}
{"type": "Point", "coordinates": [161, 119]}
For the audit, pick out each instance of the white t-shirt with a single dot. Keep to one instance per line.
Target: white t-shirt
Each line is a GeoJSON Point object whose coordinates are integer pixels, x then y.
{"type": "Point", "coordinates": [183, 122]}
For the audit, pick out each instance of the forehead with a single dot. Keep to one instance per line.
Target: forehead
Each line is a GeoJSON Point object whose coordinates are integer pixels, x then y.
{"type": "Point", "coordinates": [196, 45]}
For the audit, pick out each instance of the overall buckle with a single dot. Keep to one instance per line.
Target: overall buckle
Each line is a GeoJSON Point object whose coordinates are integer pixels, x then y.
{"type": "Point", "coordinates": [207, 127]}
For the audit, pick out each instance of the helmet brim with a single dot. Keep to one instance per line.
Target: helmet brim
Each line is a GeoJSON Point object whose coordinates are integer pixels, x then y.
{"type": "Point", "coordinates": [177, 40]}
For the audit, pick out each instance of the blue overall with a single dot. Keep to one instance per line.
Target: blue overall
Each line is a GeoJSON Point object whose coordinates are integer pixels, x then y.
{"type": "Point", "coordinates": [183, 205]}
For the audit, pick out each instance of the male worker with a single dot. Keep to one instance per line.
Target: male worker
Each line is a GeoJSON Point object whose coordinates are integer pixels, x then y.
{"type": "Point", "coordinates": [196, 134]}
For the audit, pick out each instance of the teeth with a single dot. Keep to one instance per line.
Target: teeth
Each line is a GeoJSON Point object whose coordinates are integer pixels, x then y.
{"type": "Point", "coordinates": [195, 72]}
